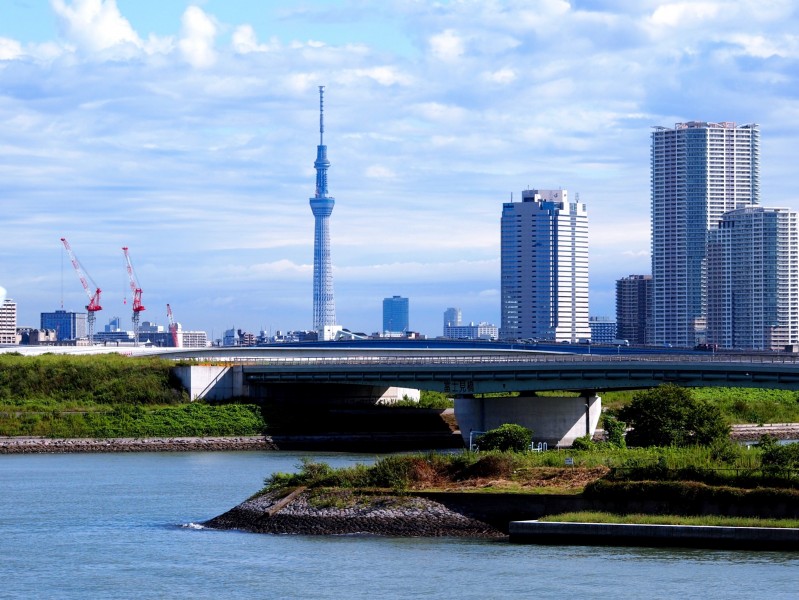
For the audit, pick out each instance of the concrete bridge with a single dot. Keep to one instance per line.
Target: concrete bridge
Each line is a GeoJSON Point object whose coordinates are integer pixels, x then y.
{"type": "Point", "coordinates": [358, 374]}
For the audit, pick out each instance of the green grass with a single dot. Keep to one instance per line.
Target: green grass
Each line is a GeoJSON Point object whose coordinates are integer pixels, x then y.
{"type": "Point", "coordinates": [738, 405]}
{"type": "Point", "coordinates": [640, 519]}
{"type": "Point", "coordinates": [109, 396]}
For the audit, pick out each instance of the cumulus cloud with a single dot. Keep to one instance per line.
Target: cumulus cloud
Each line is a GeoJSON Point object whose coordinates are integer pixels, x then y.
{"type": "Point", "coordinates": [245, 41]}
{"type": "Point", "coordinates": [447, 46]}
{"type": "Point", "coordinates": [198, 36]}
{"type": "Point", "coordinates": [9, 49]}
{"type": "Point", "coordinates": [95, 25]}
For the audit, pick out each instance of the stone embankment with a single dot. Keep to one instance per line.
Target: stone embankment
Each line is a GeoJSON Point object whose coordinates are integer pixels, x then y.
{"type": "Point", "coordinates": [341, 512]}
{"type": "Point", "coordinates": [752, 432]}
{"type": "Point", "coordinates": [34, 445]}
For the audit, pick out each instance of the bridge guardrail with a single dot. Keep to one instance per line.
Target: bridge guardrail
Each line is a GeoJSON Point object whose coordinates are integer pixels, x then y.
{"type": "Point", "coordinates": [386, 360]}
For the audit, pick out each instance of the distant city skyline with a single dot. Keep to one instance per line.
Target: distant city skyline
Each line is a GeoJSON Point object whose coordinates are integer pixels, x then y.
{"type": "Point", "coordinates": [182, 130]}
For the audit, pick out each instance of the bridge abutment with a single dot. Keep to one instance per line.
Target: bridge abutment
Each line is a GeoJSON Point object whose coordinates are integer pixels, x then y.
{"type": "Point", "coordinates": [556, 421]}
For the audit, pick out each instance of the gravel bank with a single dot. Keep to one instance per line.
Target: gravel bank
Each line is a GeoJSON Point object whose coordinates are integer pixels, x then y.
{"type": "Point", "coordinates": [31, 445]}
{"type": "Point", "coordinates": [339, 512]}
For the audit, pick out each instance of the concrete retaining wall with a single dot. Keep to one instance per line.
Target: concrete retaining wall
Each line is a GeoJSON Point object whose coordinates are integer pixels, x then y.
{"type": "Point", "coordinates": [211, 382]}
{"type": "Point", "coordinates": [556, 421]}
{"type": "Point", "coordinates": [770, 538]}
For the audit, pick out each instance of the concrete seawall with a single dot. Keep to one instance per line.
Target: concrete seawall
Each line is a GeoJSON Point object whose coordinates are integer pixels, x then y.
{"type": "Point", "coordinates": [619, 534]}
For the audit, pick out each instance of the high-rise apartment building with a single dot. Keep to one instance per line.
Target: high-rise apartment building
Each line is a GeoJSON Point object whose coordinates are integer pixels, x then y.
{"type": "Point", "coordinates": [699, 171]}
{"type": "Point", "coordinates": [395, 315]}
{"type": "Point", "coordinates": [324, 307]}
{"type": "Point", "coordinates": [753, 282]}
{"type": "Point", "coordinates": [8, 322]}
{"type": "Point", "coordinates": [634, 308]}
{"type": "Point", "coordinates": [544, 268]}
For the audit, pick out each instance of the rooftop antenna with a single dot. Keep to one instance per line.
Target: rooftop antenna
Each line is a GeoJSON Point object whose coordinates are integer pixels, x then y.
{"type": "Point", "coordinates": [321, 115]}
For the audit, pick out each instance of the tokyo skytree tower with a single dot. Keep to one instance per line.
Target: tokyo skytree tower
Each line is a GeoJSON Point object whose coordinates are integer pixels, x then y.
{"type": "Point", "coordinates": [324, 307]}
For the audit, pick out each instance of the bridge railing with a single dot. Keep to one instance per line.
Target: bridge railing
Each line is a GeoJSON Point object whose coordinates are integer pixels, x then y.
{"type": "Point", "coordinates": [488, 359]}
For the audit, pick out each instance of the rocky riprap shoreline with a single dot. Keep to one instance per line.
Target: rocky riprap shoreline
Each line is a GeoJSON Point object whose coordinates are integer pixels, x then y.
{"type": "Point", "coordinates": [342, 512]}
{"type": "Point", "coordinates": [35, 445]}
{"type": "Point", "coordinates": [752, 432]}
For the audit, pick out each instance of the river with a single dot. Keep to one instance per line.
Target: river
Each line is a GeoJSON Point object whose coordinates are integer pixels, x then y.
{"type": "Point", "coordinates": [117, 526]}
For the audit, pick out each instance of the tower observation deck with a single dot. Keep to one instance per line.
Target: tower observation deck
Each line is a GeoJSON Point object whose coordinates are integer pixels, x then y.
{"type": "Point", "coordinates": [324, 307]}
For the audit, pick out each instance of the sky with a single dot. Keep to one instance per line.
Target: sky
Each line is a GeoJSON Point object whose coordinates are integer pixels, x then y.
{"type": "Point", "coordinates": [187, 131]}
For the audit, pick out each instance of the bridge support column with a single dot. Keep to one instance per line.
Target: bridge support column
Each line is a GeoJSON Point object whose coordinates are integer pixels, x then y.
{"type": "Point", "coordinates": [556, 421]}
{"type": "Point", "coordinates": [212, 382]}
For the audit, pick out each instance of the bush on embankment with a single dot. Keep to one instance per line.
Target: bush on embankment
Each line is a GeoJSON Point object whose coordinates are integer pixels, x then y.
{"type": "Point", "coordinates": [109, 395]}
{"type": "Point", "coordinates": [187, 420]}
{"type": "Point", "coordinates": [61, 381]}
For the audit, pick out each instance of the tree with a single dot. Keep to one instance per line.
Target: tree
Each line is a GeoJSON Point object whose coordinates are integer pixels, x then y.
{"type": "Point", "coordinates": [669, 415]}
{"type": "Point", "coordinates": [506, 437]}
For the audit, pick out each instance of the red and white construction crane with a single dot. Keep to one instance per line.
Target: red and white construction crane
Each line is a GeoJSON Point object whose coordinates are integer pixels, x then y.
{"type": "Point", "coordinates": [94, 299]}
{"type": "Point", "coordinates": [173, 328]}
{"type": "Point", "coordinates": [135, 289]}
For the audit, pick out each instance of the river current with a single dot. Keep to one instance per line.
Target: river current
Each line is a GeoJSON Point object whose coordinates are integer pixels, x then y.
{"type": "Point", "coordinates": [120, 526]}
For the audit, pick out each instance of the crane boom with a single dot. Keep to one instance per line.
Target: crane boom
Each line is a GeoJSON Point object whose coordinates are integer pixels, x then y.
{"type": "Point", "coordinates": [173, 328]}
{"type": "Point", "coordinates": [135, 288]}
{"type": "Point", "coordinates": [94, 298]}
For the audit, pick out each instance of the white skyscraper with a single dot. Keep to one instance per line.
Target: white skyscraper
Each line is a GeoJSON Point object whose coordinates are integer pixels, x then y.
{"type": "Point", "coordinates": [753, 283]}
{"type": "Point", "coordinates": [8, 322]}
{"type": "Point", "coordinates": [699, 171]}
{"type": "Point", "coordinates": [545, 268]}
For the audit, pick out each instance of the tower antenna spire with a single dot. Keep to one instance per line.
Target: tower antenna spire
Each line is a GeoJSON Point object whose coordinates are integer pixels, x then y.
{"type": "Point", "coordinates": [321, 115]}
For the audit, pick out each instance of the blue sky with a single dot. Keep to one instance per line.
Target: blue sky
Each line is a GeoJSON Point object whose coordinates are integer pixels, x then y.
{"type": "Point", "coordinates": [187, 131]}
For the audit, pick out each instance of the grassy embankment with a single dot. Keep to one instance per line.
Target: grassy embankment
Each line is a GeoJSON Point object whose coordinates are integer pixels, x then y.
{"type": "Point", "coordinates": [108, 396]}
{"type": "Point", "coordinates": [688, 479]}
{"type": "Point", "coordinates": [642, 519]}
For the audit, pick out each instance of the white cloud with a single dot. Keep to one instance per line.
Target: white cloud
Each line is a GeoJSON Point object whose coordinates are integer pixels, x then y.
{"type": "Point", "coordinates": [95, 25]}
{"type": "Point", "coordinates": [447, 45]}
{"type": "Point", "coordinates": [690, 14]}
{"type": "Point", "coordinates": [198, 35]}
{"type": "Point", "coordinates": [384, 75]}
{"type": "Point", "coordinates": [245, 41]}
{"type": "Point", "coordinates": [502, 76]}
{"type": "Point", "coordinates": [9, 49]}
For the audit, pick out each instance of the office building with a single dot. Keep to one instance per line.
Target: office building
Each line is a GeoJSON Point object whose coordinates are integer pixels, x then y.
{"type": "Point", "coordinates": [752, 282]}
{"type": "Point", "coordinates": [68, 325]}
{"type": "Point", "coordinates": [634, 308]}
{"type": "Point", "coordinates": [699, 171]}
{"type": "Point", "coordinates": [324, 307]}
{"type": "Point", "coordinates": [452, 317]}
{"type": "Point", "coordinates": [544, 268]}
{"type": "Point", "coordinates": [395, 316]}
{"type": "Point", "coordinates": [480, 331]}
{"type": "Point", "coordinates": [603, 330]}
{"type": "Point", "coordinates": [8, 322]}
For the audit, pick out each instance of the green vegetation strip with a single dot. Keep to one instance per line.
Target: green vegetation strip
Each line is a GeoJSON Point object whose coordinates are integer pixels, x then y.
{"type": "Point", "coordinates": [640, 519]}
{"type": "Point", "coordinates": [109, 396]}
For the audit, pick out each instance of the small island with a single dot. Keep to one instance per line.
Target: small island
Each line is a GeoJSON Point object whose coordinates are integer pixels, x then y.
{"type": "Point", "coordinates": [705, 487]}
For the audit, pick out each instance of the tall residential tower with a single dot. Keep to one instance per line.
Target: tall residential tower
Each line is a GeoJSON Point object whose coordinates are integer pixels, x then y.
{"type": "Point", "coordinates": [699, 172]}
{"type": "Point", "coordinates": [544, 268]}
{"type": "Point", "coordinates": [324, 307]}
{"type": "Point", "coordinates": [753, 280]}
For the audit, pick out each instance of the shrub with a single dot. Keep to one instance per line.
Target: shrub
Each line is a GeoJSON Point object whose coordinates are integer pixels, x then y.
{"type": "Point", "coordinates": [615, 431]}
{"type": "Point", "coordinates": [669, 415]}
{"type": "Point", "coordinates": [506, 437]}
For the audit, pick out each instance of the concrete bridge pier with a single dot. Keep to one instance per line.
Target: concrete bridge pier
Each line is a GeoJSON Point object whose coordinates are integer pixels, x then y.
{"type": "Point", "coordinates": [556, 421]}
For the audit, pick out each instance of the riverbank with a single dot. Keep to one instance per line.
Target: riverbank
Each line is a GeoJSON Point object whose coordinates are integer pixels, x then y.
{"type": "Point", "coordinates": [380, 442]}
{"type": "Point", "coordinates": [34, 445]}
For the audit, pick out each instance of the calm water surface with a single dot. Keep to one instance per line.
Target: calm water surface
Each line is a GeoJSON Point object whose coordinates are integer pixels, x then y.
{"type": "Point", "coordinates": [114, 526]}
